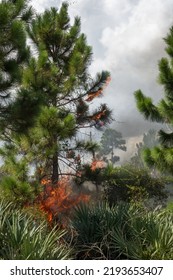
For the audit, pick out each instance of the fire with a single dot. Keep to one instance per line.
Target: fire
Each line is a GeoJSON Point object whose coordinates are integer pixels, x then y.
{"type": "Point", "coordinates": [92, 95]}
{"type": "Point", "coordinates": [45, 181]}
{"type": "Point", "coordinates": [98, 115]}
{"type": "Point", "coordinates": [97, 164]}
{"type": "Point", "coordinates": [57, 202]}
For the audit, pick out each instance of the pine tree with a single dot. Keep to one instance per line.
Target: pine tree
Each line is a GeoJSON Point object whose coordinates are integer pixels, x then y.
{"type": "Point", "coordinates": [110, 140]}
{"type": "Point", "coordinates": [161, 156]}
{"type": "Point", "coordinates": [59, 75]}
{"type": "Point", "coordinates": [13, 49]}
{"type": "Point", "coordinates": [15, 101]}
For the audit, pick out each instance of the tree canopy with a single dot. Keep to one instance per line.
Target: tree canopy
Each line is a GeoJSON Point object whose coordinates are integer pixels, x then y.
{"type": "Point", "coordinates": [111, 140]}
{"type": "Point", "coordinates": [161, 156]}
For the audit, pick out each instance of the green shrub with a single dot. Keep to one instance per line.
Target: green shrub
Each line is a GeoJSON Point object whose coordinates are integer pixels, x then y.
{"type": "Point", "coordinates": [23, 237]}
{"type": "Point", "coordinates": [123, 232]}
{"type": "Point", "coordinates": [130, 184]}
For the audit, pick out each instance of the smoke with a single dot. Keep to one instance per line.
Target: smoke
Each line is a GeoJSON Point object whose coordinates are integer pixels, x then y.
{"type": "Point", "coordinates": [127, 39]}
{"type": "Point", "coordinates": [131, 149]}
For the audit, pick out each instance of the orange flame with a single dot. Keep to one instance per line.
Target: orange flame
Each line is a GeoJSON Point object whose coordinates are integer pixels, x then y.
{"type": "Point", "coordinates": [92, 95]}
{"type": "Point", "coordinates": [57, 202]}
{"type": "Point", "coordinates": [45, 181]}
{"type": "Point", "coordinates": [97, 164]}
{"type": "Point", "coordinates": [98, 115]}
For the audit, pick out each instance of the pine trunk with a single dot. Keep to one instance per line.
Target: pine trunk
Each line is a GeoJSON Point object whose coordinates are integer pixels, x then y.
{"type": "Point", "coordinates": [55, 173]}
{"type": "Point", "coordinates": [55, 169]}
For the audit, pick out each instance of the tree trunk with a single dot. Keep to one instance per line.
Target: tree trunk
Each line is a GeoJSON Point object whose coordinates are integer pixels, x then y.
{"type": "Point", "coordinates": [55, 173]}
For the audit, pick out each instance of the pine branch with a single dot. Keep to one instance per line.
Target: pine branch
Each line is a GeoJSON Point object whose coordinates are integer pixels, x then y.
{"type": "Point", "coordinates": [95, 90]}
{"type": "Point", "coordinates": [98, 87]}
{"type": "Point", "coordinates": [66, 161]}
{"type": "Point", "coordinates": [146, 107]}
{"type": "Point", "coordinates": [166, 77]}
{"type": "Point", "coordinates": [166, 139]}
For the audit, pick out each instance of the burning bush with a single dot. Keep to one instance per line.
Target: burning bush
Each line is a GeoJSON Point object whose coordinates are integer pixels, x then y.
{"type": "Point", "coordinates": [58, 201]}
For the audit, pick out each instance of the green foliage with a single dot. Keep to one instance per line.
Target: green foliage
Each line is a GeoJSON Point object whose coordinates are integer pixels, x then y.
{"type": "Point", "coordinates": [146, 107]}
{"type": "Point", "coordinates": [94, 225]}
{"type": "Point", "coordinates": [150, 139]}
{"type": "Point", "coordinates": [16, 102]}
{"type": "Point", "coordinates": [161, 156]}
{"type": "Point", "coordinates": [23, 237]}
{"type": "Point", "coordinates": [41, 124]}
{"type": "Point", "coordinates": [123, 232]}
{"type": "Point", "coordinates": [130, 184]}
{"type": "Point", "coordinates": [166, 139]}
{"type": "Point", "coordinates": [110, 140]}
{"type": "Point", "coordinates": [56, 87]}
{"type": "Point", "coordinates": [55, 38]}
{"type": "Point", "coordinates": [27, 103]}
{"type": "Point", "coordinates": [15, 183]}
{"type": "Point", "coordinates": [13, 50]}
{"type": "Point", "coordinates": [56, 122]}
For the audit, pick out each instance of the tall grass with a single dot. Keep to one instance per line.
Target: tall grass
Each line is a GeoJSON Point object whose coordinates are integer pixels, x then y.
{"type": "Point", "coordinates": [22, 237]}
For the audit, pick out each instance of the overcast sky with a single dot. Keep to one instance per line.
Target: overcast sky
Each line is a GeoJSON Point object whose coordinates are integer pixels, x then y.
{"type": "Point", "coordinates": [127, 39]}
